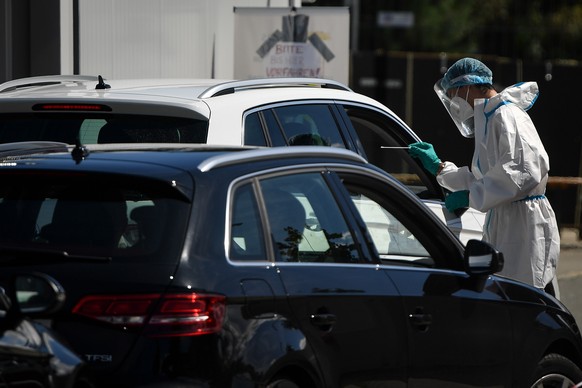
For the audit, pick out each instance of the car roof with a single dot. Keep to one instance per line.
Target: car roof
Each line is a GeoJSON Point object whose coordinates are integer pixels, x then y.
{"type": "Point", "coordinates": [71, 85]}
{"type": "Point", "coordinates": [174, 91]}
{"type": "Point", "coordinates": [200, 157]}
{"type": "Point", "coordinates": [168, 164]}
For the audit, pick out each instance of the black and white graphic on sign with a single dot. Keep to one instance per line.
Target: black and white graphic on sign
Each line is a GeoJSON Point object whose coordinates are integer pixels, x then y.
{"type": "Point", "coordinates": [295, 30]}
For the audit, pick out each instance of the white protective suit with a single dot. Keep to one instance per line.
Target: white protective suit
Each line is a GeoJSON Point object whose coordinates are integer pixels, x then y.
{"type": "Point", "coordinates": [508, 181]}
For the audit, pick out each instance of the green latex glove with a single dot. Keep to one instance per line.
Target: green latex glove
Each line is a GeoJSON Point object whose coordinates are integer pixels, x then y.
{"type": "Point", "coordinates": [457, 200]}
{"type": "Point", "coordinates": [425, 152]}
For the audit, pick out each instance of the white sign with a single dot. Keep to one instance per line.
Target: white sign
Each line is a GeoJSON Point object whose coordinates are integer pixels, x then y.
{"type": "Point", "coordinates": [279, 42]}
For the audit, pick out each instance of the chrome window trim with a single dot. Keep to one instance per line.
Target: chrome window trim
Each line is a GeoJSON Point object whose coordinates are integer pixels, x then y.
{"type": "Point", "coordinates": [314, 167]}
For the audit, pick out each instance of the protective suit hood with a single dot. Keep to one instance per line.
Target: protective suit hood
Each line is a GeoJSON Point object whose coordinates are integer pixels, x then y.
{"type": "Point", "coordinates": [523, 94]}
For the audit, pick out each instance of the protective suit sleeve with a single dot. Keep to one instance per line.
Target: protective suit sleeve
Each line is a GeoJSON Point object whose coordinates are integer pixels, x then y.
{"type": "Point", "coordinates": [512, 162]}
{"type": "Point", "coordinates": [455, 178]}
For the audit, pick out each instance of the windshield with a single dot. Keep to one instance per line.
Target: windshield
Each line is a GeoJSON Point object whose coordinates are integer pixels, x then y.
{"type": "Point", "coordinates": [101, 128]}
{"type": "Point", "coordinates": [91, 215]}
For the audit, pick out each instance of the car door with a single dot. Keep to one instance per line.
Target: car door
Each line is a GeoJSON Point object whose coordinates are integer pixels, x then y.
{"type": "Point", "coordinates": [384, 139]}
{"type": "Point", "coordinates": [459, 328]}
{"type": "Point", "coordinates": [349, 311]}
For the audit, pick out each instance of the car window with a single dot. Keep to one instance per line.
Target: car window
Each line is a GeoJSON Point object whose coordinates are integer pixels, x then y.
{"type": "Point", "coordinates": [304, 221]}
{"type": "Point", "coordinates": [104, 128]}
{"type": "Point", "coordinates": [402, 230]}
{"type": "Point", "coordinates": [309, 124]}
{"type": "Point", "coordinates": [392, 239]}
{"type": "Point", "coordinates": [375, 131]}
{"type": "Point", "coordinates": [296, 124]}
{"type": "Point", "coordinates": [253, 131]}
{"type": "Point", "coordinates": [89, 130]}
{"type": "Point", "coordinates": [246, 231]}
{"type": "Point", "coordinates": [95, 216]}
{"type": "Point", "coordinates": [255, 135]}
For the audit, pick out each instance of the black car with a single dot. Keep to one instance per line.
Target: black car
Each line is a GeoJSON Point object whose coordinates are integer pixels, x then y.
{"type": "Point", "coordinates": [31, 354]}
{"type": "Point", "coordinates": [196, 266]}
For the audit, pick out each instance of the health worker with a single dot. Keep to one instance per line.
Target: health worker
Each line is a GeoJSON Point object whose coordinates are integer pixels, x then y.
{"type": "Point", "coordinates": [509, 170]}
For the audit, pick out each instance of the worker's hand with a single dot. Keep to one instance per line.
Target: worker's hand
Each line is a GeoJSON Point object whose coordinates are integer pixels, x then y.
{"type": "Point", "coordinates": [425, 152]}
{"type": "Point", "coordinates": [457, 200]}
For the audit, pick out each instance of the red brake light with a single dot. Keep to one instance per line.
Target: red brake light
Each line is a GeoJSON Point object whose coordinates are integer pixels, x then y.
{"type": "Point", "coordinates": [74, 107]}
{"type": "Point", "coordinates": [161, 315]}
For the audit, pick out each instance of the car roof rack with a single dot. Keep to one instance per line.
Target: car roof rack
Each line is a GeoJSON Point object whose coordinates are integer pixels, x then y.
{"type": "Point", "coordinates": [234, 86]}
{"type": "Point", "coordinates": [278, 153]}
{"type": "Point", "coordinates": [44, 81]}
{"type": "Point", "coordinates": [31, 147]}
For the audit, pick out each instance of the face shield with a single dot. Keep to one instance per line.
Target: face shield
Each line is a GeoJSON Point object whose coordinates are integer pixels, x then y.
{"type": "Point", "coordinates": [459, 109]}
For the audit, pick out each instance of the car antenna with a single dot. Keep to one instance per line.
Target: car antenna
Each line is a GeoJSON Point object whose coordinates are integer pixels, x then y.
{"type": "Point", "coordinates": [102, 84]}
{"type": "Point", "coordinates": [80, 152]}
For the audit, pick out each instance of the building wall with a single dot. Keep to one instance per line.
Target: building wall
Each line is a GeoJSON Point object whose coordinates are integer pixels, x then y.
{"type": "Point", "coordinates": [29, 38]}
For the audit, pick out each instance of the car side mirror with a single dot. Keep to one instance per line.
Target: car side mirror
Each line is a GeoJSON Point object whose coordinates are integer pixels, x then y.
{"type": "Point", "coordinates": [38, 294]}
{"type": "Point", "coordinates": [482, 259]}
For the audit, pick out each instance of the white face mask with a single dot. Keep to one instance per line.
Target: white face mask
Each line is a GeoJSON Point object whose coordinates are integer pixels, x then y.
{"type": "Point", "coordinates": [459, 109]}
{"type": "Point", "coordinates": [463, 115]}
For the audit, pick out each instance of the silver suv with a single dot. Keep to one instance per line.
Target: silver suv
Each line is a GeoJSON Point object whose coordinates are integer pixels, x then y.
{"type": "Point", "coordinates": [260, 112]}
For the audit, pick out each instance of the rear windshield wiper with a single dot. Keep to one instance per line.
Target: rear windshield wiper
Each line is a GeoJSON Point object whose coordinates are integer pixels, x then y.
{"type": "Point", "coordinates": [9, 253]}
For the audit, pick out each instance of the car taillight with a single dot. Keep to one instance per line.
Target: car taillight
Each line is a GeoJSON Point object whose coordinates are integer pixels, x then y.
{"type": "Point", "coordinates": [160, 315]}
{"type": "Point", "coordinates": [69, 107]}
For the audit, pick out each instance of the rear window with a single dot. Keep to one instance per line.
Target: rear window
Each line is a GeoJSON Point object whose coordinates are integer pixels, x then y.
{"type": "Point", "coordinates": [102, 128]}
{"type": "Point", "coordinates": [88, 215]}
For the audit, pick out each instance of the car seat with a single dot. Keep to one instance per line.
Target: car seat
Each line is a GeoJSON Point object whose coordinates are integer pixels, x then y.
{"type": "Point", "coordinates": [301, 134]}
{"type": "Point", "coordinates": [287, 222]}
{"type": "Point", "coordinates": [150, 223]}
{"type": "Point", "coordinates": [96, 220]}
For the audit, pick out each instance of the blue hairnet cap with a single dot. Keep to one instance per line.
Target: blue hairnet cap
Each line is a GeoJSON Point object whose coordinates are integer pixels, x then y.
{"type": "Point", "coordinates": [466, 71]}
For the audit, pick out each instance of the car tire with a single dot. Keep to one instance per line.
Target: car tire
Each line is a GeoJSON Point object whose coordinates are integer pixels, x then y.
{"type": "Point", "coordinates": [555, 370]}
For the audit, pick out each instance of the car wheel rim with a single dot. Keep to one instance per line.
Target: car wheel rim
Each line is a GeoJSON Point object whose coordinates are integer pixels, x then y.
{"type": "Point", "coordinates": [554, 380]}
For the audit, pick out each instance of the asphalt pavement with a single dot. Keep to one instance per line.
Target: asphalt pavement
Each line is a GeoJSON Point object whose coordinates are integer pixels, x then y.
{"type": "Point", "coordinates": [570, 272]}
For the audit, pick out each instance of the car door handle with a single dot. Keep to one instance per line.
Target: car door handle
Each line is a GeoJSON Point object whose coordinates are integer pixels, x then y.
{"type": "Point", "coordinates": [420, 319]}
{"type": "Point", "coordinates": [324, 321]}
